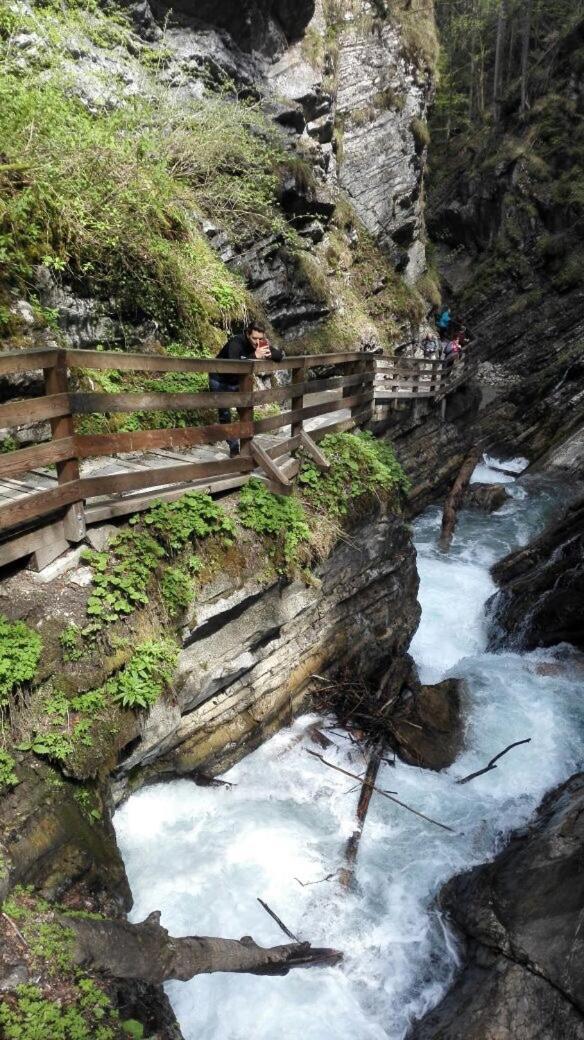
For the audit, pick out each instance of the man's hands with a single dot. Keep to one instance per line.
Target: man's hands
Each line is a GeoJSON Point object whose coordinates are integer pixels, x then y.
{"type": "Point", "coordinates": [263, 349]}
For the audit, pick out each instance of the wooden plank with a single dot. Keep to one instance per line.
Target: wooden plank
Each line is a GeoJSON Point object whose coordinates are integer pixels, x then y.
{"type": "Point", "coordinates": [311, 386]}
{"type": "Point", "coordinates": [117, 483]}
{"type": "Point", "coordinates": [88, 403]}
{"type": "Point", "coordinates": [33, 409]}
{"type": "Point", "coordinates": [112, 361]}
{"type": "Point", "coordinates": [45, 554]}
{"type": "Point", "coordinates": [271, 469]}
{"type": "Point", "coordinates": [63, 428]}
{"type": "Point", "coordinates": [402, 395]}
{"type": "Point", "coordinates": [342, 426]}
{"type": "Point", "coordinates": [99, 511]}
{"type": "Point", "coordinates": [311, 449]}
{"type": "Point", "coordinates": [30, 507]}
{"type": "Point", "coordinates": [284, 447]}
{"type": "Point", "coordinates": [16, 548]}
{"type": "Point", "coordinates": [245, 413]}
{"type": "Point", "coordinates": [24, 459]}
{"type": "Point", "coordinates": [275, 422]}
{"type": "Point", "coordinates": [306, 361]}
{"type": "Point", "coordinates": [98, 444]}
{"type": "Point", "coordinates": [290, 468]}
{"type": "Point", "coordinates": [12, 361]}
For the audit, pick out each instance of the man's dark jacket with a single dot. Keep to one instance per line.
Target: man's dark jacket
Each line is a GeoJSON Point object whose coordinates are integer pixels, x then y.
{"type": "Point", "coordinates": [238, 348]}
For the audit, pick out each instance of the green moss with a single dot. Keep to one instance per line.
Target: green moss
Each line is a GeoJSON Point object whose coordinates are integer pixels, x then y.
{"type": "Point", "coordinates": [20, 651]}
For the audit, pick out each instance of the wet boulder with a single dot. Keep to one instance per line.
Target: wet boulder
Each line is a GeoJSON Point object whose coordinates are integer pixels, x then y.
{"type": "Point", "coordinates": [521, 919]}
{"type": "Point", "coordinates": [427, 724]}
{"type": "Point", "coordinates": [540, 603]}
{"type": "Point", "coordinates": [486, 497]}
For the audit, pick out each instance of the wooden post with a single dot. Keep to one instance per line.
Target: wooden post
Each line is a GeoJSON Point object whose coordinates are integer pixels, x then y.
{"type": "Point", "coordinates": [371, 369]}
{"type": "Point", "coordinates": [246, 414]}
{"type": "Point", "coordinates": [298, 376]}
{"type": "Point", "coordinates": [56, 382]}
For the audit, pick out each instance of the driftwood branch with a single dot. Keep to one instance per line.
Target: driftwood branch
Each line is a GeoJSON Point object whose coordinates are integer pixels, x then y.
{"type": "Point", "coordinates": [454, 499]}
{"type": "Point", "coordinates": [386, 794]}
{"type": "Point", "coordinates": [347, 874]}
{"type": "Point", "coordinates": [278, 921]}
{"type": "Point", "coordinates": [491, 765]}
{"type": "Point", "coordinates": [146, 951]}
{"type": "Point", "coordinates": [320, 881]}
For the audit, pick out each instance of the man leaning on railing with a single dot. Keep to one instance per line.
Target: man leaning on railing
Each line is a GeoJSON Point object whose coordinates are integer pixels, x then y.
{"type": "Point", "coordinates": [248, 345]}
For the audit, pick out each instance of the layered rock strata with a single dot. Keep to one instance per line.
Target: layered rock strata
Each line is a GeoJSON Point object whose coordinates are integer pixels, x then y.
{"type": "Point", "coordinates": [256, 655]}
{"type": "Point", "coordinates": [542, 595]}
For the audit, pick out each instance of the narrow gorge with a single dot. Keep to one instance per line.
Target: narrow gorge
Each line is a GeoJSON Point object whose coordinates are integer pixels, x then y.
{"type": "Point", "coordinates": [276, 758]}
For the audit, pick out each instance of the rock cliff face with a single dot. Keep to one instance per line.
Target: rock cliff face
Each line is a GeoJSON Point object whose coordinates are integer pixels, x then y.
{"type": "Point", "coordinates": [520, 918]}
{"type": "Point", "coordinates": [540, 603]}
{"type": "Point", "coordinates": [254, 24]}
{"type": "Point", "coordinates": [381, 104]}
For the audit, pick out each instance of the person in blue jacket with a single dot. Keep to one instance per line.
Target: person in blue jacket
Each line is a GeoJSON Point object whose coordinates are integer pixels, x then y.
{"type": "Point", "coordinates": [443, 321]}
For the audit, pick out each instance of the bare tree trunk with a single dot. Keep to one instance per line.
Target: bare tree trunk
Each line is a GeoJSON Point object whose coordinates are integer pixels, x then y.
{"type": "Point", "coordinates": [454, 499]}
{"type": "Point", "coordinates": [352, 846]}
{"type": "Point", "coordinates": [499, 60]}
{"type": "Point", "coordinates": [146, 951]}
{"type": "Point", "coordinates": [526, 34]}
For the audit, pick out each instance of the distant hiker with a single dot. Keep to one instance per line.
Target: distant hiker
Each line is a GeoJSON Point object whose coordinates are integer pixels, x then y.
{"type": "Point", "coordinates": [443, 321]}
{"type": "Point", "coordinates": [247, 346]}
{"type": "Point", "coordinates": [451, 352]}
{"type": "Point", "coordinates": [430, 346]}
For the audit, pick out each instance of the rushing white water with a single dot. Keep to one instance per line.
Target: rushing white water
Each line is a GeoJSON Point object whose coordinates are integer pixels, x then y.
{"type": "Point", "coordinates": [202, 856]}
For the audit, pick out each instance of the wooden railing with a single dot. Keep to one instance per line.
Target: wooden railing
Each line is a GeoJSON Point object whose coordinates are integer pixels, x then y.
{"type": "Point", "coordinates": [355, 382]}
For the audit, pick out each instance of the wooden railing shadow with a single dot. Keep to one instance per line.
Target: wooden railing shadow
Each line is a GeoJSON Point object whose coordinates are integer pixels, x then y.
{"type": "Point", "coordinates": [44, 512]}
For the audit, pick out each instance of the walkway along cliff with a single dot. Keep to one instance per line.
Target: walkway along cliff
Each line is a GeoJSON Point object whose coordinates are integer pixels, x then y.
{"type": "Point", "coordinates": [266, 605]}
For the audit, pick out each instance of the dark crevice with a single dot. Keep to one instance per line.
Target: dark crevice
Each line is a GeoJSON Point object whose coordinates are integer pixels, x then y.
{"type": "Point", "coordinates": [208, 628]}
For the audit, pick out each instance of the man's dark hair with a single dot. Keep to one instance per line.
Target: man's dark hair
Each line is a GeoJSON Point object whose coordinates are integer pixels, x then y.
{"type": "Point", "coordinates": [255, 326]}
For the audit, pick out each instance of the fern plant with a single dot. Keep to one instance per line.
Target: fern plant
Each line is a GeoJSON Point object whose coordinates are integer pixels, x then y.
{"type": "Point", "coordinates": [20, 651]}
{"type": "Point", "coordinates": [147, 675]}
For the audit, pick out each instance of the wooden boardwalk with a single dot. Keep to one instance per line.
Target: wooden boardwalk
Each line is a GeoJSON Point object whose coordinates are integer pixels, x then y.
{"type": "Point", "coordinates": [51, 491]}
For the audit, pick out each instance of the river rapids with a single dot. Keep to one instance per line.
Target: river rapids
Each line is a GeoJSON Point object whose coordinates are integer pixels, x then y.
{"type": "Point", "coordinates": [203, 855]}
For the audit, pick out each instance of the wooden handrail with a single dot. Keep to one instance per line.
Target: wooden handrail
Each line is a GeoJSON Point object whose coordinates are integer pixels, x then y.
{"type": "Point", "coordinates": [367, 381]}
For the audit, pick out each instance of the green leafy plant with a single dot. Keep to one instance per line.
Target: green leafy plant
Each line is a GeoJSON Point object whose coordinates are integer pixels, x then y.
{"type": "Point", "coordinates": [86, 802]}
{"type": "Point", "coordinates": [147, 675]}
{"type": "Point", "coordinates": [178, 590]}
{"type": "Point", "coordinates": [360, 465]}
{"type": "Point", "coordinates": [122, 574]}
{"type": "Point", "coordinates": [71, 643]}
{"type": "Point", "coordinates": [20, 651]}
{"type": "Point", "coordinates": [33, 1016]}
{"type": "Point", "coordinates": [280, 518]}
{"type": "Point", "coordinates": [8, 777]}
{"type": "Point", "coordinates": [194, 515]}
